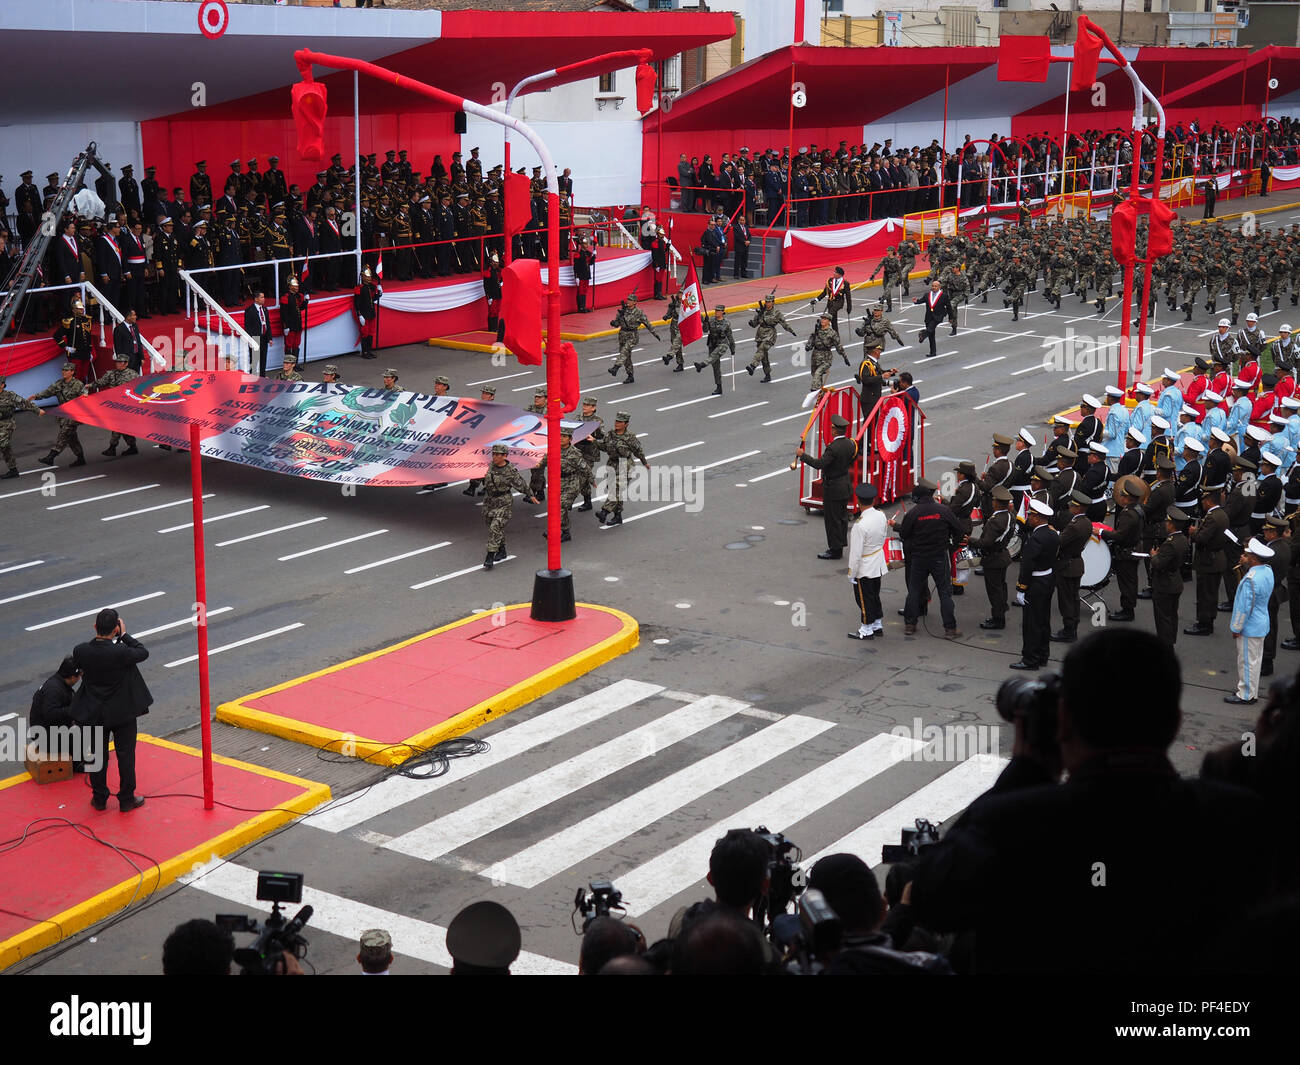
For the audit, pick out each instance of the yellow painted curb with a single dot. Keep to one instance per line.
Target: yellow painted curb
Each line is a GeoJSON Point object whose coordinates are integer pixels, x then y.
{"type": "Point", "coordinates": [459, 345]}
{"type": "Point", "coordinates": [240, 714]}
{"type": "Point", "coordinates": [84, 914]}
{"type": "Point", "coordinates": [1240, 214]}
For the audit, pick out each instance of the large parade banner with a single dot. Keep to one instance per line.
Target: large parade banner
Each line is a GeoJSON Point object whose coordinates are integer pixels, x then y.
{"type": "Point", "coordinates": [326, 432]}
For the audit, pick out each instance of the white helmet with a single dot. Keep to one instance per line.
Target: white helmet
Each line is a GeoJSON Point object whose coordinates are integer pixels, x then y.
{"type": "Point", "coordinates": [1252, 317]}
{"type": "Point", "coordinates": [1223, 322]}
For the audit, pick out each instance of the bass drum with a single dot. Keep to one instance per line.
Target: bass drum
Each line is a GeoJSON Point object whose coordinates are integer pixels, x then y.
{"type": "Point", "coordinates": [1096, 565]}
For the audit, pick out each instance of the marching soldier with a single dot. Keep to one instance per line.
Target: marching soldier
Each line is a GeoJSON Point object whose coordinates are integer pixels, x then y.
{"type": "Point", "coordinates": [893, 268]}
{"type": "Point", "coordinates": [622, 448]}
{"type": "Point", "coordinates": [823, 343]}
{"type": "Point", "coordinates": [1068, 568]}
{"type": "Point", "coordinates": [1166, 578]}
{"type": "Point", "coordinates": [120, 374]}
{"type": "Point", "coordinates": [500, 483]}
{"type": "Point", "coordinates": [673, 315]}
{"type": "Point", "coordinates": [908, 250]}
{"type": "Point", "coordinates": [65, 389]}
{"type": "Point", "coordinates": [994, 558]}
{"type": "Point", "coordinates": [487, 394]}
{"type": "Point", "coordinates": [875, 327]}
{"type": "Point", "coordinates": [591, 446]}
{"type": "Point", "coordinates": [718, 337]}
{"type": "Point", "coordinates": [629, 318]}
{"type": "Point", "coordinates": [10, 404]}
{"type": "Point", "coordinates": [838, 295]}
{"type": "Point", "coordinates": [575, 477]}
{"type": "Point", "coordinates": [767, 317]}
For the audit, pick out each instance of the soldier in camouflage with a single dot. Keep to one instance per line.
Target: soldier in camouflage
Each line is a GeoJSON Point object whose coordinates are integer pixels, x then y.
{"type": "Point", "coordinates": [591, 446]}
{"type": "Point", "coordinates": [674, 314]}
{"type": "Point", "coordinates": [822, 344]}
{"type": "Point", "coordinates": [717, 334]}
{"type": "Point", "coordinates": [488, 394]}
{"type": "Point", "coordinates": [537, 477]}
{"type": "Point", "coordinates": [288, 373]}
{"type": "Point", "coordinates": [10, 404]}
{"type": "Point", "coordinates": [630, 317]}
{"type": "Point", "coordinates": [767, 318]}
{"type": "Point", "coordinates": [874, 328]}
{"type": "Point", "coordinates": [65, 389]}
{"type": "Point", "coordinates": [120, 374]}
{"type": "Point", "coordinates": [908, 250]}
{"type": "Point", "coordinates": [954, 282]}
{"type": "Point", "coordinates": [623, 448]}
{"type": "Point", "coordinates": [575, 477]}
{"type": "Point", "coordinates": [892, 265]}
{"type": "Point", "coordinates": [499, 483]}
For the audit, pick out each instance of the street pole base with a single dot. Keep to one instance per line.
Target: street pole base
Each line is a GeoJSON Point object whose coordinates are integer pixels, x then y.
{"type": "Point", "coordinates": [553, 596]}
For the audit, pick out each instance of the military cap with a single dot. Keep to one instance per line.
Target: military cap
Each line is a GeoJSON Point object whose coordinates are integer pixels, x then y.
{"type": "Point", "coordinates": [440, 380]}
{"type": "Point", "coordinates": [968, 468]}
{"type": "Point", "coordinates": [1002, 438]}
{"type": "Point", "coordinates": [926, 485]}
{"type": "Point", "coordinates": [391, 151]}
{"type": "Point", "coordinates": [1258, 548]}
{"type": "Point", "coordinates": [839, 421]}
{"type": "Point", "coordinates": [622, 416]}
{"type": "Point", "coordinates": [331, 368]}
{"type": "Point", "coordinates": [1115, 390]}
{"type": "Point", "coordinates": [1040, 508]}
{"type": "Point", "coordinates": [1202, 363]}
{"type": "Point", "coordinates": [1027, 437]}
{"type": "Point", "coordinates": [589, 401]}
{"type": "Point", "coordinates": [484, 934]}
{"type": "Point", "coordinates": [1002, 494]}
{"type": "Point", "coordinates": [539, 392]}
{"type": "Point", "coordinates": [1256, 432]}
{"type": "Point", "coordinates": [127, 167]}
{"type": "Point", "coordinates": [1144, 388]}
{"type": "Point", "coordinates": [866, 492]}
{"type": "Point", "coordinates": [500, 449]}
{"type": "Point", "coordinates": [1211, 396]}
{"type": "Point", "coordinates": [1042, 473]}
{"type": "Point", "coordinates": [1081, 499]}
{"type": "Point", "coordinates": [631, 296]}
{"type": "Point", "coordinates": [566, 430]}
{"type": "Point", "coordinates": [1067, 453]}
{"type": "Point", "coordinates": [376, 945]}
{"type": "Point", "coordinates": [67, 366]}
{"type": "Point", "coordinates": [390, 372]}
{"type": "Point", "coordinates": [1177, 514]}
{"type": "Point", "coordinates": [1240, 463]}
{"type": "Point", "coordinates": [28, 173]}
{"type": "Point", "coordinates": [720, 307]}
{"type": "Point", "coordinates": [1097, 448]}
{"type": "Point", "coordinates": [201, 162]}
{"type": "Point", "coordinates": [1291, 403]}
{"type": "Point", "coordinates": [274, 159]}
{"type": "Point", "coordinates": [1163, 462]}
{"type": "Point", "coordinates": [1270, 458]}
{"type": "Point", "coordinates": [1276, 523]}
{"type": "Point", "coordinates": [489, 390]}
{"type": "Point", "coordinates": [121, 356]}
{"type": "Point", "coordinates": [1090, 401]}
{"type": "Point", "coordinates": [1160, 421]}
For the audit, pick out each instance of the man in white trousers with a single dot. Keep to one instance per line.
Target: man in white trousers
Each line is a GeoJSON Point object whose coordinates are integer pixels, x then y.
{"type": "Point", "coordinates": [867, 563]}
{"type": "Point", "coordinates": [1250, 619]}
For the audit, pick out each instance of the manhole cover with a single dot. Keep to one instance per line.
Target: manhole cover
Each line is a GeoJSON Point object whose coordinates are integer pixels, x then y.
{"type": "Point", "coordinates": [738, 546]}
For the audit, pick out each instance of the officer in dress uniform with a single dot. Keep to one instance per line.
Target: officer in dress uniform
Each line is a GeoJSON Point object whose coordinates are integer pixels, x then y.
{"type": "Point", "coordinates": [1166, 578]}
{"type": "Point", "coordinates": [836, 464]}
{"type": "Point", "coordinates": [1068, 568]}
{"type": "Point", "coordinates": [1035, 586]}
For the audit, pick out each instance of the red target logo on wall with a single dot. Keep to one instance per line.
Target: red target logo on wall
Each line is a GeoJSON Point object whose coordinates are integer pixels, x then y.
{"type": "Point", "coordinates": [213, 18]}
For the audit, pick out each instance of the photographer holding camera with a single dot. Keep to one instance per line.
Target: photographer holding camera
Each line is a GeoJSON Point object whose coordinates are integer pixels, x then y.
{"type": "Point", "coordinates": [1106, 872]}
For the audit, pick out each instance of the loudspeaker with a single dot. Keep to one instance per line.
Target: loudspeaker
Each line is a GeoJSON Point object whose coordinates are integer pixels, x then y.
{"type": "Point", "coordinates": [462, 122]}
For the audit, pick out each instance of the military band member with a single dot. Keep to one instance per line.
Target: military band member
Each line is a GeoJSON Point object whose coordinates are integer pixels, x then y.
{"type": "Point", "coordinates": [1124, 539]}
{"type": "Point", "coordinates": [1166, 576]}
{"type": "Point", "coordinates": [1068, 568]}
{"type": "Point", "coordinates": [1209, 534]}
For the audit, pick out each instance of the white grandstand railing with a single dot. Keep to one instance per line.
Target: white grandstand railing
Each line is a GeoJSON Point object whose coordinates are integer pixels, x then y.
{"type": "Point", "coordinates": [227, 335]}
{"type": "Point", "coordinates": [157, 363]}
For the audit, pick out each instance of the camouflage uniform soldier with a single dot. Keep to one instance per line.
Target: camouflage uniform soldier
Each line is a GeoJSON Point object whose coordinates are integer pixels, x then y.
{"type": "Point", "coordinates": [537, 478]}
{"type": "Point", "coordinates": [622, 448]}
{"type": "Point", "coordinates": [629, 318]}
{"type": "Point", "coordinates": [988, 271]}
{"type": "Point", "coordinates": [1193, 276]}
{"type": "Point", "coordinates": [822, 343]}
{"type": "Point", "coordinates": [1017, 280]}
{"type": "Point", "coordinates": [1103, 270]}
{"type": "Point", "coordinates": [575, 477]}
{"type": "Point", "coordinates": [892, 265]}
{"type": "Point", "coordinates": [487, 394]}
{"type": "Point", "coordinates": [66, 388]}
{"type": "Point", "coordinates": [591, 446]}
{"type": "Point", "coordinates": [288, 373]}
{"type": "Point", "coordinates": [1216, 276]}
{"type": "Point", "coordinates": [673, 314]}
{"type": "Point", "coordinates": [1280, 268]}
{"type": "Point", "coordinates": [874, 328]}
{"type": "Point", "coordinates": [1293, 269]}
{"type": "Point", "coordinates": [1084, 264]}
{"type": "Point", "coordinates": [955, 282]}
{"type": "Point", "coordinates": [1261, 281]}
{"type": "Point", "coordinates": [718, 336]}
{"type": "Point", "coordinates": [767, 318]}
{"type": "Point", "coordinates": [500, 481]}
{"type": "Point", "coordinates": [120, 374]}
{"type": "Point", "coordinates": [907, 253]}
{"type": "Point", "coordinates": [1062, 273]}
{"type": "Point", "coordinates": [10, 404]}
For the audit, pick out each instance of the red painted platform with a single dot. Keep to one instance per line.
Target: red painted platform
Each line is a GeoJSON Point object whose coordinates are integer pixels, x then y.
{"type": "Point", "coordinates": [62, 878]}
{"type": "Point", "coordinates": [436, 685]}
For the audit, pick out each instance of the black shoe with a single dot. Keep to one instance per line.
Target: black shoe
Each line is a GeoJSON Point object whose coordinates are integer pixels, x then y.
{"type": "Point", "coordinates": [678, 369]}
{"type": "Point", "coordinates": [1022, 665]}
{"type": "Point", "coordinates": [828, 554]}
{"type": "Point", "coordinates": [1199, 630]}
{"type": "Point", "coordinates": [716, 392]}
{"type": "Point", "coordinates": [1291, 645]}
{"type": "Point", "coordinates": [131, 804]}
{"type": "Point", "coordinates": [616, 518]}
{"type": "Point", "coordinates": [699, 367]}
{"type": "Point", "coordinates": [1266, 668]}
{"type": "Point", "coordinates": [1120, 615]}
{"type": "Point", "coordinates": [1234, 319]}
{"type": "Point", "coordinates": [501, 553]}
{"type": "Point", "coordinates": [601, 515]}
{"type": "Point", "coordinates": [130, 451]}
{"type": "Point", "coordinates": [586, 505]}
{"type": "Point", "coordinates": [859, 636]}
{"type": "Point", "coordinates": [668, 358]}
{"type": "Point", "coordinates": [109, 452]}
{"type": "Point", "coordinates": [47, 460]}
{"type": "Point", "coordinates": [469, 491]}
{"type": "Point", "coordinates": [993, 623]}
{"type": "Point", "coordinates": [954, 331]}
{"type": "Point", "coordinates": [1145, 593]}
{"type": "Point", "coordinates": [767, 379]}
{"type": "Point", "coordinates": [488, 560]}
{"type": "Point", "coordinates": [613, 371]}
{"type": "Point", "coordinates": [13, 472]}
{"type": "Point", "coordinates": [565, 537]}
{"type": "Point", "coordinates": [749, 370]}
{"type": "Point", "coordinates": [1224, 607]}
{"type": "Point", "coordinates": [1235, 701]}
{"type": "Point", "coordinates": [99, 804]}
{"type": "Point", "coordinates": [629, 380]}
{"type": "Point", "coordinates": [957, 589]}
{"type": "Point", "coordinates": [81, 461]}
{"type": "Point", "coordinates": [1064, 636]}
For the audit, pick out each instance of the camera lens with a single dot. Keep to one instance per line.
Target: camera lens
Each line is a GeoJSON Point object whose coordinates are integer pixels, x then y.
{"type": "Point", "coordinates": [1014, 696]}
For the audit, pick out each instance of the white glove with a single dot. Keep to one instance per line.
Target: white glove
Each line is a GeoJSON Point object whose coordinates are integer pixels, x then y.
{"type": "Point", "coordinates": [360, 320]}
{"type": "Point", "coordinates": [1020, 598]}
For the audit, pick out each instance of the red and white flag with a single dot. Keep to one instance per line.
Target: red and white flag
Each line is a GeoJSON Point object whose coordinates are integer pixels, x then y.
{"type": "Point", "coordinates": [305, 273]}
{"type": "Point", "coordinates": [379, 268]}
{"type": "Point", "coordinates": [691, 320]}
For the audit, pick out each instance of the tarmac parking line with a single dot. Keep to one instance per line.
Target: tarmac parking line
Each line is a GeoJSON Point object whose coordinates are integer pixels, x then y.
{"type": "Point", "coordinates": [216, 517]}
{"type": "Point", "coordinates": [238, 643]}
{"type": "Point", "coordinates": [109, 495]}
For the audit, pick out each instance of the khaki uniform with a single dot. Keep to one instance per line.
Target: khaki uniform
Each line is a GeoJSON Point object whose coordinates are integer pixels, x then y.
{"type": "Point", "coordinates": [112, 379]}
{"type": "Point", "coordinates": [499, 482]}
{"type": "Point", "coordinates": [10, 404]}
{"type": "Point", "coordinates": [65, 391]}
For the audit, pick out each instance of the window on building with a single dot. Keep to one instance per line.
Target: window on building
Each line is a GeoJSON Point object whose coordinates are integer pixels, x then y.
{"type": "Point", "coordinates": [607, 82]}
{"type": "Point", "coordinates": [834, 7]}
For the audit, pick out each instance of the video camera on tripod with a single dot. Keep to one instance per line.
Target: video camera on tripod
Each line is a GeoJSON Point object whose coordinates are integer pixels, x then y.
{"type": "Point", "coordinates": [277, 935]}
{"type": "Point", "coordinates": [600, 900]}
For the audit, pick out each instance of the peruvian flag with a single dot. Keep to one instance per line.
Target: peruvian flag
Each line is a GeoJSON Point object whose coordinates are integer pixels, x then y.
{"type": "Point", "coordinates": [306, 274]}
{"type": "Point", "coordinates": [379, 267]}
{"type": "Point", "coordinates": [691, 322]}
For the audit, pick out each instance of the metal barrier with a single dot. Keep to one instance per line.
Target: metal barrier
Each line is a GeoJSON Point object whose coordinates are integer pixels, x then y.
{"type": "Point", "coordinates": [228, 336]}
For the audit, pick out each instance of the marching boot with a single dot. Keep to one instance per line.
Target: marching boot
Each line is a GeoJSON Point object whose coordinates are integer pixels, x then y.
{"type": "Point", "coordinates": [109, 452]}
{"type": "Point", "coordinates": [1294, 297]}
{"type": "Point", "coordinates": [1187, 307]}
{"type": "Point", "coordinates": [1005, 304]}
{"type": "Point", "coordinates": [488, 560]}
{"type": "Point", "coordinates": [716, 392]}
{"type": "Point", "coordinates": [699, 367]}
{"type": "Point", "coordinates": [629, 380]}
{"type": "Point", "coordinates": [1234, 319]}
{"type": "Point", "coordinates": [586, 501]}
{"type": "Point", "coordinates": [767, 379]}
{"type": "Point", "coordinates": [1083, 297]}
{"type": "Point", "coordinates": [1209, 307]}
{"type": "Point", "coordinates": [81, 461]}
{"type": "Point", "coordinates": [984, 298]}
{"type": "Point", "coordinates": [1015, 311]}
{"type": "Point", "coordinates": [616, 518]}
{"type": "Point", "coordinates": [601, 515]}
{"type": "Point", "coordinates": [1257, 309]}
{"type": "Point", "coordinates": [501, 552]}
{"type": "Point", "coordinates": [564, 536]}
{"type": "Point", "coordinates": [13, 472]}
{"type": "Point", "coordinates": [668, 358]}
{"type": "Point", "coordinates": [613, 370]}
{"type": "Point", "coordinates": [749, 370]}
{"type": "Point", "coordinates": [1275, 303]}
{"type": "Point", "coordinates": [1171, 303]}
{"type": "Point", "coordinates": [679, 369]}
{"type": "Point", "coordinates": [48, 460]}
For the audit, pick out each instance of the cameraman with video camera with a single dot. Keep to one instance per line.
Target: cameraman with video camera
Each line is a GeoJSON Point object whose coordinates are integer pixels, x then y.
{"type": "Point", "coordinates": [1106, 872]}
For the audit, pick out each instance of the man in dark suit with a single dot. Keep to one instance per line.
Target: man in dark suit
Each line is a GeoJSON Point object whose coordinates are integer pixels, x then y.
{"type": "Point", "coordinates": [936, 310]}
{"type": "Point", "coordinates": [836, 464]}
{"type": "Point", "coordinates": [111, 697]}
{"type": "Point", "coordinates": [109, 262]}
{"type": "Point", "coordinates": [126, 341]}
{"type": "Point", "coordinates": [1024, 867]}
{"type": "Point", "coordinates": [258, 326]}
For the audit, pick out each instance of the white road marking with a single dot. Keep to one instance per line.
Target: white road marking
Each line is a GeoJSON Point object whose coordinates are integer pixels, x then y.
{"type": "Point", "coordinates": [332, 543]}
{"type": "Point", "coordinates": [398, 558]}
{"type": "Point", "coordinates": [92, 612]}
{"type": "Point", "coordinates": [183, 621]}
{"type": "Point", "coordinates": [977, 365]}
{"type": "Point", "coordinates": [642, 395]}
{"type": "Point", "coordinates": [687, 403]}
{"type": "Point", "coordinates": [723, 462]}
{"type": "Point", "coordinates": [737, 410]}
{"type": "Point", "coordinates": [216, 517]}
{"type": "Point", "coordinates": [348, 918]}
{"type": "Point", "coordinates": [109, 495]}
{"type": "Point", "coordinates": [507, 805]}
{"type": "Point", "coordinates": [544, 728]}
{"type": "Point", "coordinates": [489, 380]}
{"type": "Point", "coordinates": [577, 843]}
{"type": "Point", "coordinates": [1087, 373]}
{"type": "Point", "coordinates": [658, 880]}
{"type": "Point", "coordinates": [674, 450]}
{"type": "Point", "coordinates": [765, 476]}
{"type": "Point", "coordinates": [269, 532]}
{"type": "Point", "coordinates": [644, 514]}
{"type": "Point", "coordinates": [1012, 336]}
{"type": "Point", "coordinates": [51, 588]}
{"type": "Point", "coordinates": [160, 506]}
{"type": "Point", "coordinates": [458, 573]}
{"type": "Point", "coordinates": [994, 403]}
{"type": "Point", "coordinates": [52, 486]}
{"type": "Point", "coordinates": [238, 643]}
{"type": "Point", "coordinates": [1028, 369]}
{"type": "Point", "coordinates": [786, 418]}
{"type": "Point", "coordinates": [945, 395]}
{"type": "Point", "coordinates": [23, 565]}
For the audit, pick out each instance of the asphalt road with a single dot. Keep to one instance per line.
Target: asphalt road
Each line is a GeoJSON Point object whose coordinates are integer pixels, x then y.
{"type": "Point", "coordinates": [742, 631]}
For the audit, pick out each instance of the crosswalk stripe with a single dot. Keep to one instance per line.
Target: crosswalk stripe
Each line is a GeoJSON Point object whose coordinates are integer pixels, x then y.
{"type": "Point", "coordinates": [937, 801]}
{"type": "Point", "coordinates": [348, 918]}
{"type": "Point", "coordinates": [462, 826]}
{"type": "Point", "coordinates": [658, 880]}
{"type": "Point", "coordinates": [509, 742]}
{"type": "Point", "coordinates": [558, 852]}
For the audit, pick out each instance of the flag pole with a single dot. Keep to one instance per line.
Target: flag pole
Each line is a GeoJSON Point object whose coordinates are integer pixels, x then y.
{"type": "Point", "coordinates": [201, 612]}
